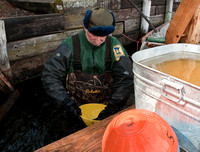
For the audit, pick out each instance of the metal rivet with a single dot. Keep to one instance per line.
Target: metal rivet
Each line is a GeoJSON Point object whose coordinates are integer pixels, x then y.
{"type": "Point", "coordinates": [57, 54]}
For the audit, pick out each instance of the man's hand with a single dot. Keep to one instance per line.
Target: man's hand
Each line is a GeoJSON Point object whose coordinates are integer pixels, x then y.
{"type": "Point", "coordinates": [72, 108]}
{"type": "Point", "coordinates": [109, 110]}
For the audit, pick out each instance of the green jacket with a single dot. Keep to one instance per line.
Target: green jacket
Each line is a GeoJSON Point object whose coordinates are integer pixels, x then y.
{"type": "Point", "coordinates": [94, 56]}
{"type": "Point", "coordinates": [92, 60]}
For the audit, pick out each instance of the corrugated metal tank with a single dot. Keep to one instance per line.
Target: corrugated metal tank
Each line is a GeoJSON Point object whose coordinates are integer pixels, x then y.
{"type": "Point", "coordinates": [177, 101]}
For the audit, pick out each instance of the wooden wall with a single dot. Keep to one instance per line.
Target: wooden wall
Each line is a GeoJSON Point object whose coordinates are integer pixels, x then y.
{"type": "Point", "coordinates": [32, 39]}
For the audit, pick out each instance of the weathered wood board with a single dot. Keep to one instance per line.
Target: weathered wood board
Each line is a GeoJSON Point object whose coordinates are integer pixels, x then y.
{"type": "Point", "coordinates": [18, 50]}
{"type": "Point", "coordinates": [4, 61]}
{"type": "Point", "coordinates": [19, 28]}
{"type": "Point", "coordinates": [126, 4]}
{"type": "Point", "coordinates": [7, 105]}
{"type": "Point", "coordinates": [44, 6]}
{"type": "Point", "coordinates": [5, 85]}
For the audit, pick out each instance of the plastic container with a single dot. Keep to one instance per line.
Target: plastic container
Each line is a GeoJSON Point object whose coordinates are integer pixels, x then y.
{"type": "Point", "coordinates": [177, 101]}
{"type": "Point", "coordinates": [91, 111]}
{"type": "Point", "coordinates": [139, 130]}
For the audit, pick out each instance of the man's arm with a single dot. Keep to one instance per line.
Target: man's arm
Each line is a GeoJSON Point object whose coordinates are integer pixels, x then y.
{"type": "Point", "coordinates": [122, 87]}
{"type": "Point", "coordinates": [54, 73]}
{"type": "Point", "coordinates": [54, 81]}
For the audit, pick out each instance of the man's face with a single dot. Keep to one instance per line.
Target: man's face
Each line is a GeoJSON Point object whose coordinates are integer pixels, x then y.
{"type": "Point", "coordinates": [95, 40]}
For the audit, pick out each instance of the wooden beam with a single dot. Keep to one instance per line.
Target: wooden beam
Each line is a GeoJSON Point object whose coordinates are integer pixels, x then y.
{"type": "Point", "coordinates": [44, 6]}
{"type": "Point", "coordinates": [126, 4]}
{"type": "Point", "coordinates": [4, 109]}
{"type": "Point", "coordinates": [4, 61]}
{"type": "Point", "coordinates": [22, 49]}
{"type": "Point", "coordinates": [19, 28]}
{"type": "Point", "coordinates": [5, 85]}
{"type": "Point", "coordinates": [27, 57]}
{"type": "Point", "coordinates": [88, 139]}
{"type": "Point", "coordinates": [181, 20]}
{"type": "Point", "coordinates": [192, 33]}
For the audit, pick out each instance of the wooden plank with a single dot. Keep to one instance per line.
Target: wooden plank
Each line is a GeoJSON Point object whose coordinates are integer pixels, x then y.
{"type": "Point", "coordinates": [5, 85]}
{"type": "Point", "coordinates": [81, 6]}
{"type": "Point", "coordinates": [113, 5]}
{"type": "Point", "coordinates": [160, 9]}
{"type": "Point", "coordinates": [4, 61]}
{"type": "Point", "coordinates": [157, 20]}
{"type": "Point", "coordinates": [126, 14]}
{"type": "Point", "coordinates": [4, 109]}
{"type": "Point", "coordinates": [18, 50]}
{"type": "Point", "coordinates": [43, 6]}
{"type": "Point", "coordinates": [22, 49]}
{"type": "Point", "coordinates": [192, 33]}
{"type": "Point", "coordinates": [126, 4]}
{"type": "Point", "coordinates": [74, 11]}
{"type": "Point", "coordinates": [180, 20]}
{"type": "Point", "coordinates": [87, 139]}
{"type": "Point", "coordinates": [27, 57]}
{"type": "Point", "coordinates": [158, 2]}
{"type": "Point", "coordinates": [26, 68]}
{"type": "Point", "coordinates": [74, 21]}
{"type": "Point", "coordinates": [132, 24]}
{"type": "Point", "coordinates": [19, 28]}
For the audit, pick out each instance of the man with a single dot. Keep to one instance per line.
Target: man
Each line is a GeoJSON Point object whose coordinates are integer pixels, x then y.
{"type": "Point", "coordinates": [91, 66]}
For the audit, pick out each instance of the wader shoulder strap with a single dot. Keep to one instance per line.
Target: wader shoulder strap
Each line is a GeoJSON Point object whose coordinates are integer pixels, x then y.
{"type": "Point", "coordinates": [77, 57]}
{"type": "Point", "coordinates": [108, 54]}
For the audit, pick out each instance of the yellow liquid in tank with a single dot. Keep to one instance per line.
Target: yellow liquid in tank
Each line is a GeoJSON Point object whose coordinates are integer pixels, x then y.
{"type": "Point", "coordinates": [185, 69]}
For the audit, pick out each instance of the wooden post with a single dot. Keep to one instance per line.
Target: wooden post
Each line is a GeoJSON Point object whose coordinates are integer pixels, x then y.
{"type": "Point", "coordinates": [181, 20]}
{"type": "Point", "coordinates": [5, 85]}
{"type": "Point", "coordinates": [7, 105]}
{"type": "Point", "coordinates": [146, 8]}
{"type": "Point", "coordinates": [5, 75]}
{"type": "Point", "coordinates": [4, 61]}
{"type": "Point", "coordinates": [168, 10]}
{"type": "Point", "coordinates": [192, 33]}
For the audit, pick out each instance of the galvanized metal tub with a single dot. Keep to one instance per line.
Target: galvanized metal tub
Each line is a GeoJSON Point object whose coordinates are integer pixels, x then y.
{"type": "Point", "coordinates": [177, 101]}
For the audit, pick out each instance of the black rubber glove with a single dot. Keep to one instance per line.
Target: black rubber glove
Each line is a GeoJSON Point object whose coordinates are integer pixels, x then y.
{"type": "Point", "coordinates": [109, 110]}
{"type": "Point", "coordinates": [121, 89]}
{"type": "Point", "coordinates": [72, 108]}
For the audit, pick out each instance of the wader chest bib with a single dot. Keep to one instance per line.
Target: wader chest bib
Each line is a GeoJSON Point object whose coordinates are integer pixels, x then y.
{"type": "Point", "coordinates": [85, 87]}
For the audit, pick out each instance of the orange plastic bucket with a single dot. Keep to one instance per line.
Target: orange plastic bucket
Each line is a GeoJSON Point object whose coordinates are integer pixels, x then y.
{"type": "Point", "coordinates": [139, 130]}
